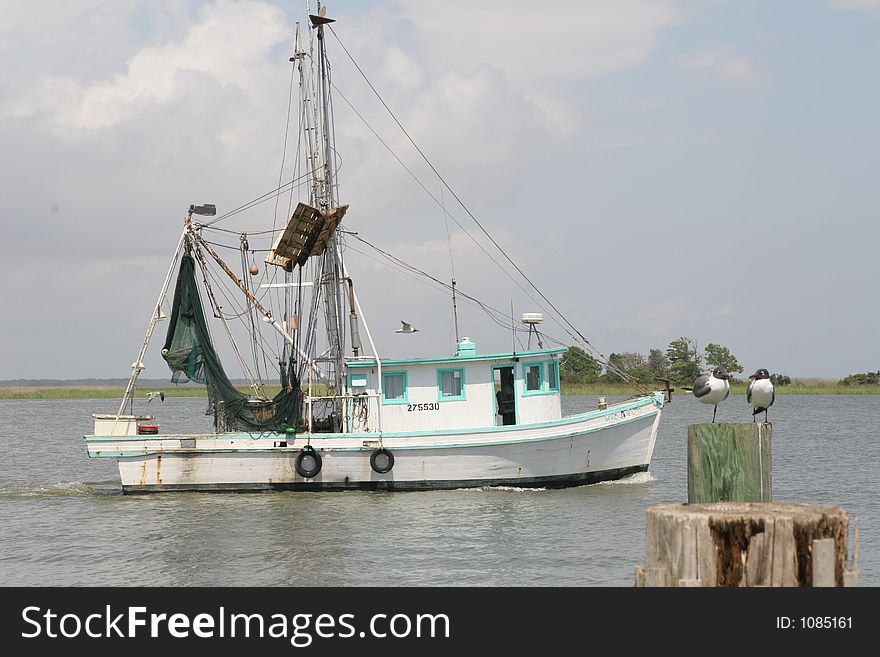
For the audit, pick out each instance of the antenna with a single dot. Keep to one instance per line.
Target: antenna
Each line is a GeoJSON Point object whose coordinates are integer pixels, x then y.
{"type": "Point", "coordinates": [512, 328]}
{"type": "Point", "coordinates": [532, 320]}
{"type": "Point", "coordinates": [451, 266]}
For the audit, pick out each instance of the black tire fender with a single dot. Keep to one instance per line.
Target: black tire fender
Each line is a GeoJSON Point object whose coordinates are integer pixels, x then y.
{"type": "Point", "coordinates": [314, 459]}
{"type": "Point", "coordinates": [379, 457]}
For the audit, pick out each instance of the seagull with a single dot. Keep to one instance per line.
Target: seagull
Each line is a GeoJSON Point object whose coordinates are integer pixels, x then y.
{"type": "Point", "coordinates": [160, 395]}
{"type": "Point", "coordinates": [760, 393]}
{"type": "Point", "coordinates": [406, 328]}
{"type": "Point", "coordinates": [712, 388]}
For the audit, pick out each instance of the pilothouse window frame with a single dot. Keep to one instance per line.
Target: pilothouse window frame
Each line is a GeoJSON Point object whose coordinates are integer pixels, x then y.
{"type": "Point", "coordinates": [527, 391]}
{"type": "Point", "coordinates": [462, 388]}
{"type": "Point", "coordinates": [395, 400]}
{"type": "Point", "coordinates": [549, 378]}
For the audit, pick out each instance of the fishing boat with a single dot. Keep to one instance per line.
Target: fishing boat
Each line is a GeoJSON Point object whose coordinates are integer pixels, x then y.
{"type": "Point", "coordinates": [342, 416]}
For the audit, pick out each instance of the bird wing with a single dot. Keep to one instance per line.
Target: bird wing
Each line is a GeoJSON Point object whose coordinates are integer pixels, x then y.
{"type": "Point", "coordinates": [701, 386]}
{"type": "Point", "coordinates": [749, 393]}
{"type": "Point", "coordinates": [772, 398]}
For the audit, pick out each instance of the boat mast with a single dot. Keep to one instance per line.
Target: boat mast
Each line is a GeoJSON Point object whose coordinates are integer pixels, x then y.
{"type": "Point", "coordinates": [331, 277]}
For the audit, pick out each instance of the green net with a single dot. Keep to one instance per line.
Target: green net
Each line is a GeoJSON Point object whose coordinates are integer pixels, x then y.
{"type": "Point", "coordinates": [191, 356]}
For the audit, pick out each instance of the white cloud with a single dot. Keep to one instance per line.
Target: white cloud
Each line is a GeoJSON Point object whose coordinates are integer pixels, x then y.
{"type": "Point", "coordinates": [228, 46]}
{"type": "Point", "coordinates": [726, 63]}
{"type": "Point", "coordinates": [534, 40]}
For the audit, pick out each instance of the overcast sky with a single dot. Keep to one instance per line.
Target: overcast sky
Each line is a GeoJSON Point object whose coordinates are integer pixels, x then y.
{"type": "Point", "coordinates": [659, 168]}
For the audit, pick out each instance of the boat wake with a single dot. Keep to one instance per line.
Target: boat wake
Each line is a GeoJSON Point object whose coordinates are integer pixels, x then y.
{"type": "Point", "coordinates": [630, 480]}
{"type": "Point", "coordinates": [61, 489]}
{"type": "Point", "coordinates": [515, 489]}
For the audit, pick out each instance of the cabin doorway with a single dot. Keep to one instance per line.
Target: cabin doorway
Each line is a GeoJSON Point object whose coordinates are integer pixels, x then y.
{"type": "Point", "coordinates": [505, 396]}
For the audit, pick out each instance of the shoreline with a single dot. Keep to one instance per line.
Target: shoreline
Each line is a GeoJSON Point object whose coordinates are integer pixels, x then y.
{"type": "Point", "coordinates": [589, 390]}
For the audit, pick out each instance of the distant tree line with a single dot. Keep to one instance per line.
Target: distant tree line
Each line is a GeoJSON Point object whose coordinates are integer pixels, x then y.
{"type": "Point", "coordinates": [681, 363]}
{"type": "Point", "coordinates": [866, 379]}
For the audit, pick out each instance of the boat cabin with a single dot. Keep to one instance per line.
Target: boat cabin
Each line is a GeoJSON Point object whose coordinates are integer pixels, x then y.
{"type": "Point", "coordinates": [464, 391]}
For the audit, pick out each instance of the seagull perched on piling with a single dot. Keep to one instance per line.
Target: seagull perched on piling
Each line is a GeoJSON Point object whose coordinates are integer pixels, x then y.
{"type": "Point", "coordinates": [712, 388]}
{"type": "Point", "coordinates": [760, 393]}
{"type": "Point", "coordinates": [159, 394]}
{"type": "Point", "coordinates": [406, 328]}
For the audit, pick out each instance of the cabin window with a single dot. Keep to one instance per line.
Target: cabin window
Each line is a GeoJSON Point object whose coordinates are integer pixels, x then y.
{"type": "Point", "coordinates": [450, 384]}
{"type": "Point", "coordinates": [394, 388]}
{"type": "Point", "coordinates": [540, 381]}
{"type": "Point", "coordinates": [533, 377]}
{"type": "Point", "coordinates": [553, 376]}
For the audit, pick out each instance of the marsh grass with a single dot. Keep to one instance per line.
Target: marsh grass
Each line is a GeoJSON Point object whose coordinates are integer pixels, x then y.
{"type": "Point", "coordinates": [798, 387]}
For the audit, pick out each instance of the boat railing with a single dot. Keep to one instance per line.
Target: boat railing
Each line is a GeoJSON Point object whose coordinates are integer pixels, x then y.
{"type": "Point", "coordinates": [361, 410]}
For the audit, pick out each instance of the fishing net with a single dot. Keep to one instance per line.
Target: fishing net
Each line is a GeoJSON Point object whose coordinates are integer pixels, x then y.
{"type": "Point", "coordinates": [191, 356]}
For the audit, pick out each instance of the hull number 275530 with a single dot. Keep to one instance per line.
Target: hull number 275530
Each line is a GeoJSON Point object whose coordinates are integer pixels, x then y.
{"type": "Point", "coordinates": [428, 406]}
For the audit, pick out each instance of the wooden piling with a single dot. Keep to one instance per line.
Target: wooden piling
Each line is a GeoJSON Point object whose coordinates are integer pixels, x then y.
{"type": "Point", "coordinates": [729, 462]}
{"type": "Point", "coordinates": [747, 544]}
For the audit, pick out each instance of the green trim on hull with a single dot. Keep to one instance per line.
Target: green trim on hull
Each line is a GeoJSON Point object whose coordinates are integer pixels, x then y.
{"type": "Point", "coordinates": [656, 399]}
{"type": "Point", "coordinates": [293, 450]}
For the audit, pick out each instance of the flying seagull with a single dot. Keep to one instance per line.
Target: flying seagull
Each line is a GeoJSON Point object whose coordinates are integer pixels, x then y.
{"type": "Point", "coordinates": [406, 328]}
{"type": "Point", "coordinates": [160, 395]}
{"type": "Point", "coordinates": [760, 393]}
{"type": "Point", "coordinates": [712, 388]}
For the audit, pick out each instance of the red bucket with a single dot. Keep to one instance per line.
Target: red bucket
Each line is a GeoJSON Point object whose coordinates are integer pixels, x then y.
{"type": "Point", "coordinates": [148, 429]}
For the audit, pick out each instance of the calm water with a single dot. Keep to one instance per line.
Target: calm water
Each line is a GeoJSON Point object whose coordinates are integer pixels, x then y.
{"type": "Point", "coordinates": [65, 521]}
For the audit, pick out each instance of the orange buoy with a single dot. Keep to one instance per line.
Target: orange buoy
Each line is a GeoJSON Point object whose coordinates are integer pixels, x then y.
{"type": "Point", "coordinates": [254, 270]}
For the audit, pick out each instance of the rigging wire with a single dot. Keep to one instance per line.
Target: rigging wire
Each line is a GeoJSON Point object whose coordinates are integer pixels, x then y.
{"type": "Point", "coordinates": [218, 313]}
{"type": "Point", "coordinates": [590, 348]}
{"type": "Point", "coordinates": [257, 201]}
{"type": "Point", "coordinates": [222, 283]}
{"type": "Point", "coordinates": [284, 147]}
{"type": "Point", "coordinates": [451, 267]}
{"type": "Point", "coordinates": [290, 186]}
{"type": "Point", "coordinates": [251, 310]}
{"type": "Point", "coordinates": [265, 347]}
{"type": "Point", "coordinates": [434, 198]}
{"type": "Point", "coordinates": [490, 312]}
{"type": "Point", "coordinates": [574, 332]}
{"type": "Point", "coordinates": [493, 313]}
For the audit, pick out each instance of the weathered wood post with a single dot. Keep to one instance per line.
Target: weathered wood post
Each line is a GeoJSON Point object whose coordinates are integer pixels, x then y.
{"type": "Point", "coordinates": [748, 544]}
{"type": "Point", "coordinates": [731, 534]}
{"type": "Point", "coordinates": [729, 462]}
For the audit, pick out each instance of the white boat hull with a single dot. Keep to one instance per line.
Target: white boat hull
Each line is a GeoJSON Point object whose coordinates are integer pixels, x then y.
{"type": "Point", "coordinates": [578, 450]}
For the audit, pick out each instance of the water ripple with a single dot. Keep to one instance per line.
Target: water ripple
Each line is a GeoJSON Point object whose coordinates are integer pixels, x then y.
{"type": "Point", "coordinates": [61, 489]}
